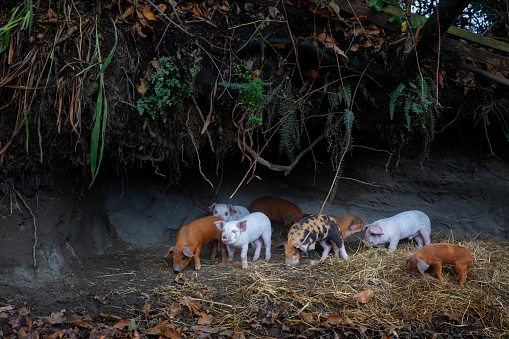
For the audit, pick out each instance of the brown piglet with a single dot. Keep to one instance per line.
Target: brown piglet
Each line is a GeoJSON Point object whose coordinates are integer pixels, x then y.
{"type": "Point", "coordinates": [350, 224]}
{"type": "Point", "coordinates": [190, 239]}
{"type": "Point", "coordinates": [435, 255]}
{"type": "Point", "coordinates": [278, 209]}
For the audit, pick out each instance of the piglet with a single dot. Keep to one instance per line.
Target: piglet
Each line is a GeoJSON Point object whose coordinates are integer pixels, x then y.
{"type": "Point", "coordinates": [278, 209]}
{"type": "Point", "coordinates": [228, 212]}
{"type": "Point", "coordinates": [190, 239]}
{"type": "Point", "coordinates": [349, 224]}
{"type": "Point", "coordinates": [252, 228]}
{"type": "Point", "coordinates": [434, 255]}
{"type": "Point", "coordinates": [304, 235]}
{"type": "Point", "coordinates": [405, 225]}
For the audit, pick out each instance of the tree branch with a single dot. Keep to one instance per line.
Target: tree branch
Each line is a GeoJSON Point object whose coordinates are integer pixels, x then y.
{"type": "Point", "coordinates": [287, 169]}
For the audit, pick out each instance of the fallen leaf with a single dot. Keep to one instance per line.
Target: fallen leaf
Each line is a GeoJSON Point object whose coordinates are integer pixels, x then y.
{"type": "Point", "coordinates": [238, 334]}
{"type": "Point", "coordinates": [335, 319]}
{"type": "Point", "coordinates": [147, 13]}
{"type": "Point", "coordinates": [354, 48]}
{"type": "Point", "coordinates": [121, 324]}
{"type": "Point", "coordinates": [78, 320]}
{"type": "Point", "coordinates": [191, 305]}
{"type": "Point", "coordinates": [205, 319]}
{"type": "Point", "coordinates": [109, 317]}
{"type": "Point", "coordinates": [56, 318]}
{"type": "Point", "coordinates": [364, 296]}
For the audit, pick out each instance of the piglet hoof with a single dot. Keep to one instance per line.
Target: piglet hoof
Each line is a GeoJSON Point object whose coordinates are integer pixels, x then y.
{"type": "Point", "coordinates": [311, 262]}
{"type": "Point", "coordinates": [197, 268]}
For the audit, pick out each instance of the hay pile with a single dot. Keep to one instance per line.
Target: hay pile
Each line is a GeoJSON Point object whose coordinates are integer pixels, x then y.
{"type": "Point", "coordinates": [372, 294]}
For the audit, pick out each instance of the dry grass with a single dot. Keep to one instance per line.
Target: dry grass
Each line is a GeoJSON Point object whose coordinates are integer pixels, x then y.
{"type": "Point", "coordinates": [308, 295]}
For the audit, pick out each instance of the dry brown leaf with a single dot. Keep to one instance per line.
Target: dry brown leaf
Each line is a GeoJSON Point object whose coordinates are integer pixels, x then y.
{"type": "Point", "coordinates": [364, 296]}
{"type": "Point", "coordinates": [191, 305]}
{"type": "Point", "coordinates": [355, 48]}
{"type": "Point", "coordinates": [78, 320]}
{"type": "Point", "coordinates": [335, 319]}
{"type": "Point", "coordinates": [205, 319]}
{"type": "Point", "coordinates": [147, 13]}
{"type": "Point", "coordinates": [137, 29]}
{"type": "Point", "coordinates": [56, 318]}
{"type": "Point", "coordinates": [238, 334]}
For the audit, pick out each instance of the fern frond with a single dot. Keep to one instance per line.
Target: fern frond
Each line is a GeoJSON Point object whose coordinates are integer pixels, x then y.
{"type": "Point", "coordinates": [394, 99]}
{"type": "Point", "coordinates": [348, 118]}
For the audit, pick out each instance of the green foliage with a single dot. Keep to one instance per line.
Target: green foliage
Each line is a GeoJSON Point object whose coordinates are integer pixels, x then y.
{"type": "Point", "coordinates": [337, 97]}
{"type": "Point", "coordinates": [22, 17]}
{"type": "Point", "coordinates": [251, 94]}
{"type": "Point", "coordinates": [418, 104]}
{"type": "Point", "coordinates": [169, 86]}
{"type": "Point", "coordinates": [101, 110]}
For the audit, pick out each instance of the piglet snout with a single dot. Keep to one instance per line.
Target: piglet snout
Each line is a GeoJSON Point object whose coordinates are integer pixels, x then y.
{"type": "Point", "coordinates": [176, 268]}
{"type": "Point", "coordinates": [224, 239]}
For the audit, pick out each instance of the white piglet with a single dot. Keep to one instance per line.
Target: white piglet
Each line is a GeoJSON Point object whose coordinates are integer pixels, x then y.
{"type": "Point", "coordinates": [228, 212]}
{"type": "Point", "coordinates": [405, 225]}
{"type": "Point", "coordinates": [254, 227]}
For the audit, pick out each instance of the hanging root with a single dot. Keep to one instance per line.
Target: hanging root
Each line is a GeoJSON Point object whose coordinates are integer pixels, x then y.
{"type": "Point", "coordinates": [33, 218]}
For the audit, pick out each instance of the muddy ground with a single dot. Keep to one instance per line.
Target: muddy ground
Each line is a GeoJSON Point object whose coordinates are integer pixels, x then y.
{"type": "Point", "coordinates": [92, 262]}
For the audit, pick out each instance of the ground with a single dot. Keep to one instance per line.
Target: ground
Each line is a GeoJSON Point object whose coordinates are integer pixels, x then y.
{"type": "Point", "coordinates": [131, 282]}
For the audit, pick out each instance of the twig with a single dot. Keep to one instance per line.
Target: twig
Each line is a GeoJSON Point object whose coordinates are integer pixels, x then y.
{"type": "Point", "coordinates": [203, 120]}
{"type": "Point", "coordinates": [35, 225]}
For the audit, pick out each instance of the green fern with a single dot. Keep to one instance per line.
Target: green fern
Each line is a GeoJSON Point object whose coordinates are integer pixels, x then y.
{"type": "Point", "coordinates": [418, 105]}
{"type": "Point", "coordinates": [394, 99]}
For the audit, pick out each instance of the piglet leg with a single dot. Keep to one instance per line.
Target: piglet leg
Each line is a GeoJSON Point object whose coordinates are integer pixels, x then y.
{"type": "Point", "coordinates": [243, 254]}
{"type": "Point", "coordinates": [326, 249]}
{"type": "Point", "coordinates": [258, 248]}
{"type": "Point", "coordinates": [267, 242]}
{"type": "Point", "coordinates": [437, 269]}
{"type": "Point", "coordinates": [462, 274]}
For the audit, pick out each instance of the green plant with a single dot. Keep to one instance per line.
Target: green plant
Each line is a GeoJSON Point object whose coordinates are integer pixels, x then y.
{"type": "Point", "coordinates": [339, 96]}
{"type": "Point", "coordinates": [251, 94]}
{"type": "Point", "coordinates": [101, 109]}
{"type": "Point", "coordinates": [22, 17]}
{"type": "Point", "coordinates": [170, 84]}
{"type": "Point", "coordinates": [418, 106]}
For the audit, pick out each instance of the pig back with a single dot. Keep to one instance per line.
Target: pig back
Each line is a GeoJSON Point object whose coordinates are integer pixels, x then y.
{"type": "Point", "coordinates": [278, 209]}
{"type": "Point", "coordinates": [445, 253]}
{"type": "Point", "coordinates": [198, 232]}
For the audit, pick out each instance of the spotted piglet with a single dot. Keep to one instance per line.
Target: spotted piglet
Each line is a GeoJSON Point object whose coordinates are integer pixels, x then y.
{"type": "Point", "coordinates": [304, 235]}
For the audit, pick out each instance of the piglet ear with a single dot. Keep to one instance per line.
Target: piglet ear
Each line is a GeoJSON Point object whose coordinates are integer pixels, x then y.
{"type": "Point", "coordinates": [242, 225]}
{"type": "Point", "coordinates": [377, 230]}
{"type": "Point", "coordinates": [353, 224]}
{"type": "Point", "coordinates": [187, 252]}
{"type": "Point", "coordinates": [232, 209]}
{"type": "Point", "coordinates": [219, 225]}
{"type": "Point", "coordinates": [212, 207]}
{"type": "Point", "coordinates": [422, 266]}
{"type": "Point", "coordinates": [170, 251]}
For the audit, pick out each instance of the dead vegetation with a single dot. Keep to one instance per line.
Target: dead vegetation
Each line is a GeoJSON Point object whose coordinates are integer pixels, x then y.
{"type": "Point", "coordinates": [372, 294]}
